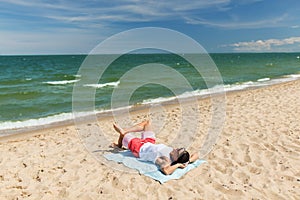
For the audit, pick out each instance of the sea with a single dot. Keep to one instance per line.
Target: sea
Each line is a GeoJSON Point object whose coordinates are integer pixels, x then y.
{"type": "Point", "coordinates": [36, 90]}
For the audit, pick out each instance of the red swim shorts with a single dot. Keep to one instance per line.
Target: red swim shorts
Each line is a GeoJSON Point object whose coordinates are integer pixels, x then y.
{"type": "Point", "coordinates": [136, 143]}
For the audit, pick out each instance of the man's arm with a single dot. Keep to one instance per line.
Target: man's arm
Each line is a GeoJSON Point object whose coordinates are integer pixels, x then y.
{"type": "Point", "coordinates": [170, 169]}
{"type": "Point", "coordinates": [194, 157]}
{"type": "Point", "coordinates": [164, 164]}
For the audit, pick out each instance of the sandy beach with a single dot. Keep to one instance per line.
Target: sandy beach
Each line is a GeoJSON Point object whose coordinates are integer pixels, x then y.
{"type": "Point", "coordinates": [257, 156]}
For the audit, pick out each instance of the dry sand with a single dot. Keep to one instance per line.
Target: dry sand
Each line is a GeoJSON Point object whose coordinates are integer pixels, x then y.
{"type": "Point", "coordinates": [257, 155]}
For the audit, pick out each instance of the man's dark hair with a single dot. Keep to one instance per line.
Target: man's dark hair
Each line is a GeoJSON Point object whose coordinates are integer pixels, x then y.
{"type": "Point", "coordinates": [183, 158]}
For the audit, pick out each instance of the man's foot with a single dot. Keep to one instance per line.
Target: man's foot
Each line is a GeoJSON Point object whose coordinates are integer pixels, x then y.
{"type": "Point", "coordinates": [114, 145]}
{"type": "Point", "coordinates": [119, 129]}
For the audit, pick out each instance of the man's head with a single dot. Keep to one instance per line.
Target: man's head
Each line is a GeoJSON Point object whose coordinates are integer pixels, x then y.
{"type": "Point", "coordinates": [180, 156]}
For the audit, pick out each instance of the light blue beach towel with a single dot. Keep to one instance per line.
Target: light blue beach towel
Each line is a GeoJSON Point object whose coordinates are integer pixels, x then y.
{"type": "Point", "coordinates": [148, 168]}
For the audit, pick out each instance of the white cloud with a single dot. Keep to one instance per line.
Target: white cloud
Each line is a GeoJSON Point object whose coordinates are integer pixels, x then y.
{"type": "Point", "coordinates": [295, 26]}
{"type": "Point", "coordinates": [37, 20]}
{"type": "Point", "coordinates": [192, 5]}
{"type": "Point", "coordinates": [236, 24]}
{"type": "Point", "coordinates": [107, 10]}
{"type": "Point", "coordinates": [285, 45]}
{"type": "Point", "coordinates": [38, 28]}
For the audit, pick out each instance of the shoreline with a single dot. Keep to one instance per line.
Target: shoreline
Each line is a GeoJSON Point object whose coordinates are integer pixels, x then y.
{"type": "Point", "coordinates": [137, 107]}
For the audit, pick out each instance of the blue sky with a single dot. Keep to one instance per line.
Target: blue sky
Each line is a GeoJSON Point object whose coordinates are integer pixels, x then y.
{"type": "Point", "coordinates": [71, 27]}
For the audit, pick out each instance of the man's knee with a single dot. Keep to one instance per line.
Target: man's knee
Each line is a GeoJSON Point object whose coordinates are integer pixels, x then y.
{"type": "Point", "coordinates": [147, 125]}
{"type": "Point", "coordinates": [148, 122]}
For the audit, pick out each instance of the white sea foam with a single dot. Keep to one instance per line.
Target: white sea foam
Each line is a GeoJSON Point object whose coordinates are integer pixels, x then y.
{"type": "Point", "coordinates": [35, 122]}
{"type": "Point", "coordinates": [204, 92]}
{"type": "Point", "coordinates": [41, 121]}
{"type": "Point", "coordinates": [158, 100]}
{"type": "Point", "coordinates": [113, 84]}
{"type": "Point", "coordinates": [224, 88]}
{"type": "Point", "coordinates": [294, 76]}
{"type": "Point", "coordinates": [263, 79]}
{"type": "Point", "coordinates": [64, 82]}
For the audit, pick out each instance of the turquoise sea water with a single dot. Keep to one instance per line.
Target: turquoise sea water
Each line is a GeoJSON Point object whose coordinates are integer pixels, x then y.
{"type": "Point", "coordinates": [38, 90]}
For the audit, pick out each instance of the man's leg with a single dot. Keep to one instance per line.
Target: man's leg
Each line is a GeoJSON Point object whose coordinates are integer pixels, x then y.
{"type": "Point", "coordinates": [121, 134]}
{"type": "Point", "coordinates": [143, 126]}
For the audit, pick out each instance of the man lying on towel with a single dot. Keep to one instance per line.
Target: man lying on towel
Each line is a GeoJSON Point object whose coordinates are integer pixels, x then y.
{"type": "Point", "coordinates": [167, 158]}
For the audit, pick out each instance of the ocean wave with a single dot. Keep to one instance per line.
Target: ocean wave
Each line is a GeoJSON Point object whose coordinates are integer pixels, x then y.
{"type": "Point", "coordinates": [113, 84]}
{"type": "Point", "coordinates": [196, 93]}
{"type": "Point", "coordinates": [11, 125]}
{"type": "Point", "coordinates": [263, 79]}
{"type": "Point", "coordinates": [158, 100]}
{"type": "Point", "coordinates": [294, 76]}
{"type": "Point", "coordinates": [64, 82]}
{"type": "Point", "coordinates": [224, 88]}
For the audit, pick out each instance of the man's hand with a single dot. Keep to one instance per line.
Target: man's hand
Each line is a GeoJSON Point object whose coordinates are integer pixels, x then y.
{"type": "Point", "coordinates": [181, 165]}
{"type": "Point", "coordinates": [171, 168]}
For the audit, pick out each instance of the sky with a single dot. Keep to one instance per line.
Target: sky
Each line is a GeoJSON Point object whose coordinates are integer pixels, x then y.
{"type": "Point", "coordinates": [76, 27]}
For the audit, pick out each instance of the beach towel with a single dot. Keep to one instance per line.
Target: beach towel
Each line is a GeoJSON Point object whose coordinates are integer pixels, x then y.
{"type": "Point", "coordinates": [148, 168]}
